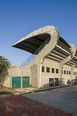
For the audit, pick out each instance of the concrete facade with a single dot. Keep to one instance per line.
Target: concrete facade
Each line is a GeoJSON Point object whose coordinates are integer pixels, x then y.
{"type": "Point", "coordinates": [46, 75]}
{"type": "Point", "coordinates": [15, 71]}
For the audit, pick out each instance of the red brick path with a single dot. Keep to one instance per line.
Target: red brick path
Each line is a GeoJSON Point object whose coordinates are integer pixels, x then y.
{"type": "Point", "coordinates": [23, 106]}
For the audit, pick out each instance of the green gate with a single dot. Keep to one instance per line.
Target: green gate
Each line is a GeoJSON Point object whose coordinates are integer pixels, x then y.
{"type": "Point", "coordinates": [16, 82]}
{"type": "Point", "coordinates": [25, 82]}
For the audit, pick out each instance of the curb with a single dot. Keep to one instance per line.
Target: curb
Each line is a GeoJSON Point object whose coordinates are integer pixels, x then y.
{"type": "Point", "coordinates": [44, 89]}
{"type": "Point", "coordinates": [51, 88]}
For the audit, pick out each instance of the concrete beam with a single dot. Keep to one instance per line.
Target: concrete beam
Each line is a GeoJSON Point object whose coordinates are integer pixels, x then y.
{"type": "Point", "coordinates": [58, 53]}
{"type": "Point", "coordinates": [61, 66]}
{"type": "Point", "coordinates": [65, 60]}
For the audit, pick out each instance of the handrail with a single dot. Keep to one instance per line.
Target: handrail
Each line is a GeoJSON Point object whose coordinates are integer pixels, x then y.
{"type": "Point", "coordinates": [35, 53]}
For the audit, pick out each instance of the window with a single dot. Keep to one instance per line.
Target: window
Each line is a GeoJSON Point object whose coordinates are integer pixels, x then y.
{"type": "Point", "coordinates": [48, 69]}
{"type": "Point", "coordinates": [42, 68]}
{"type": "Point", "coordinates": [52, 70]}
{"type": "Point", "coordinates": [64, 71]}
{"type": "Point", "coordinates": [69, 72]}
{"type": "Point", "coordinates": [57, 71]}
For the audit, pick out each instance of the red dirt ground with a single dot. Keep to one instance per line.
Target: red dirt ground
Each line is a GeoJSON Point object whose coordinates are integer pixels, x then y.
{"type": "Point", "coordinates": [23, 106]}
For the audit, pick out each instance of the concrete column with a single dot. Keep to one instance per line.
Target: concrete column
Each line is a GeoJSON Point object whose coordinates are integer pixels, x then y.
{"type": "Point", "coordinates": [72, 69]}
{"type": "Point", "coordinates": [60, 74]}
{"type": "Point", "coordinates": [21, 82]}
{"type": "Point", "coordinates": [38, 76]}
{"type": "Point", "coordinates": [39, 66]}
{"type": "Point", "coordinates": [54, 75]}
{"type": "Point", "coordinates": [21, 76]}
{"type": "Point", "coordinates": [61, 66]}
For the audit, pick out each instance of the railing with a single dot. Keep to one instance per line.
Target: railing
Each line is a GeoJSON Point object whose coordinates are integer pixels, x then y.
{"type": "Point", "coordinates": [35, 53]}
{"type": "Point", "coordinates": [28, 60]}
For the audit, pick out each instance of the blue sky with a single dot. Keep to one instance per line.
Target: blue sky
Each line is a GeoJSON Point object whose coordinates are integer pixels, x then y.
{"type": "Point", "coordinates": [20, 17]}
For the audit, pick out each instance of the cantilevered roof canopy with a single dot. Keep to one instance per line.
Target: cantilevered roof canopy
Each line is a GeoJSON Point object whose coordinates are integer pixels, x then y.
{"type": "Point", "coordinates": [33, 43]}
{"type": "Point", "coordinates": [34, 40]}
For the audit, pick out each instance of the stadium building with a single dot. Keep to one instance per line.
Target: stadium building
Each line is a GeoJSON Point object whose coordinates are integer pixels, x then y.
{"type": "Point", "coordinates": [53, 61]}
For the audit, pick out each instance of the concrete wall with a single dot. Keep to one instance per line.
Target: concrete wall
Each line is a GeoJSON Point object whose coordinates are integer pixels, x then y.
{"type": "Point", "coordinates": [34, 75]}
{"type": "Point", "coordinates": [55, 65]}
{"type": "Point", "coordinates": [7, 82]}
{"type": "Point", "coordinates": [16, 71]}
{"type": "Point", "coordinates": [46, 75]}
{"type": "Point", "coordinates": [74, 73]}
{"type": "Point", "coordinates": [66, 77]}
{"type": "Point", "coordinates": [20, 71]}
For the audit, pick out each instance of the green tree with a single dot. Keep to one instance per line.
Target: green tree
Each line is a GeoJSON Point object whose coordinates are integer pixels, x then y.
{"type": "Point", "coordinates": [4, 65]}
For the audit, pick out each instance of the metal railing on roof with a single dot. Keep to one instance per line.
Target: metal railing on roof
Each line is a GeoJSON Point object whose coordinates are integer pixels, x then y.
{"type": "Point", "coordinates": [35, 53]}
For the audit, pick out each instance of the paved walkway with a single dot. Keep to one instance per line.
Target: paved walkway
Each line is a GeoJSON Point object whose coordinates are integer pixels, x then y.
{"type": "Point", "coordinates": [62, 98]}
{"type": "Point", "coordinates": [32, 90]}
{"type": "Point", "coordinates": [26, 90]}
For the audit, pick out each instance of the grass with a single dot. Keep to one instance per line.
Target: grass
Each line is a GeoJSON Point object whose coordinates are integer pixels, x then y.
{"type": "Point", "coordinates": [7, 90]}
